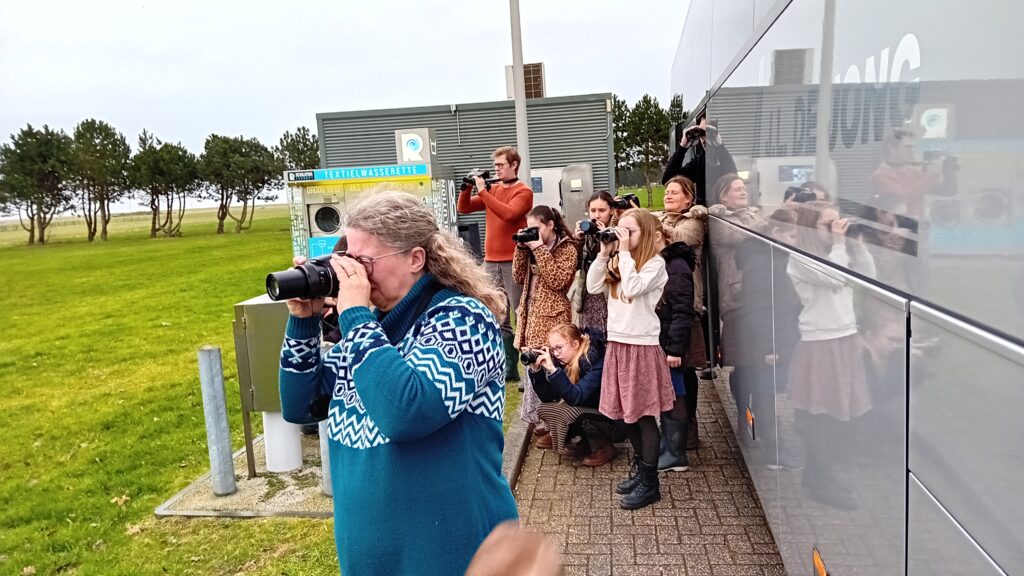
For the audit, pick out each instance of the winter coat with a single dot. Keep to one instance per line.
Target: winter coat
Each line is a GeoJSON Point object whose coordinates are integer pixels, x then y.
{"type": "Point", "coordinates": [586, 392]}
{"type": "Point", "coordinates": [700, 165]}
{"type": "Point", "coordinates": [768, 319]}
{"type": "Point", "coordinates": [544, 305]}
{"type": "Point", "coordinates": [690, 227]}
{"type": "Point", "coordinates": [675, 309]}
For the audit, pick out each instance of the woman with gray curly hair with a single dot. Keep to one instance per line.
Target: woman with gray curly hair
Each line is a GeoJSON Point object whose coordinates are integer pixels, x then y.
{"type": "Point", "coordinates": [416, 390]}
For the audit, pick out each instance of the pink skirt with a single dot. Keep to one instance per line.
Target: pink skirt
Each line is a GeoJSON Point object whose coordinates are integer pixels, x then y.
{"type": "Point", "coordinates": [635, 382]}
{"type": "Point", "coordinates": [827, 377]}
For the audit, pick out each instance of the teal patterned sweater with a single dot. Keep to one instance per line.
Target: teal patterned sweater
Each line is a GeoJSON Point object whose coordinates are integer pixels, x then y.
{"type": "Point", "coordinates": [415, 430]}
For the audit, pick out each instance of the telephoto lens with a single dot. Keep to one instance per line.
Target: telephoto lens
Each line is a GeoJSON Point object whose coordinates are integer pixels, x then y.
{"type": "Point", "coordinates": [314, 279]}
{"type": "Point", "coordinates": [588, 227]}
{"type": "Point", "coordinates": [607, 236]}
{"type": "Point", "coordinates": [528, 357]}
{"type": "Point", "coordinates": [531, 234]}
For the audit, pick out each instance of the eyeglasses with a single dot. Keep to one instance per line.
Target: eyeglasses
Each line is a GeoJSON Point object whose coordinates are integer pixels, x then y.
{"type": "Point", "coordinates": [367, 261]}
{"type": "Point", "coordinates": [557, 349]}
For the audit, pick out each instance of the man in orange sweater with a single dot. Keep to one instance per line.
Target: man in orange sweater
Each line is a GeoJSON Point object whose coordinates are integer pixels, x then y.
{"type": "Point", "coordinates": [506, 203]}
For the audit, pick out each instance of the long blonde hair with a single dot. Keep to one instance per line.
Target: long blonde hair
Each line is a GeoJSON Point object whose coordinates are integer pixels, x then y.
{"type": "Point", "coordinates": [402, 221]}
{"type": "Point", "coordinates": [646, 248]}
{"type": "Point", "coordinates": [573, 334]}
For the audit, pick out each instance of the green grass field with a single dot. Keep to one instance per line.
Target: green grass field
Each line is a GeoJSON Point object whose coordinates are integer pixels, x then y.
{"type": "Point", "coordinates": [658, 196]}
{"type": "Point", "coordinates": [102, 409]}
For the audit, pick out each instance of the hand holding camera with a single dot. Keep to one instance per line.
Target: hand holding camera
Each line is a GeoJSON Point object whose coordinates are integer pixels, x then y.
{"type": "Point", "coordinates": [477, 179]}
{"type": "Point", "coordinates": [537, 358]}
{"type": "Point", "coordinates": [588, 228]}
{"type": "Point", "coordinates": [310, 282]}
{"type": "Point", "coordinates": [528, 237]}
{"type": "Point", "coordinates": [625, 202]}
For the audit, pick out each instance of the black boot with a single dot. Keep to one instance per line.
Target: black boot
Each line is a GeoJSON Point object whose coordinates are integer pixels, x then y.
{"type": "Point", "coordinates": [627, 485]}
{"type": "Point", "coordinates": [647, 491]}
{"type": "Point", "coordinates": [692, 442]}
{"type": "Point", "coordinates": [673, 453]}
{"type": "Point", "coordinates": [511, 360]}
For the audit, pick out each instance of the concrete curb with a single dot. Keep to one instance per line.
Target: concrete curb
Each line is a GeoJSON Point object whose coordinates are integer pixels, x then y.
{"type": "Point", "coordinates": [517, 444]}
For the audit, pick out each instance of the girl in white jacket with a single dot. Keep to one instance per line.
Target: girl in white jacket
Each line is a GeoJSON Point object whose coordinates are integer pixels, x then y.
{"type": "Point", "coordinates": [636, 387]}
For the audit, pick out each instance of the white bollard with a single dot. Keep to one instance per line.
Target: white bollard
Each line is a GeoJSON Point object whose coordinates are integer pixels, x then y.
{"type": "Point", "coordinates": [215, 410]}
{"type": "Point", "coordinates": [325, 461]}
{"type": "Point", "coordinates": [283, 443]}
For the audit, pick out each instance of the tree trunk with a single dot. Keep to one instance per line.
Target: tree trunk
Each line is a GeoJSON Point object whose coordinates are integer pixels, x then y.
{"type": "Point", "coordinates": [176, 230]}
{"type": "Point", "coordinates": [168, 222]}
{"type": "Point", "coordinates": [89, 213]}
{"type": "Point", "coordinates": [241, 221]}
{"type": "Point", "coordinates": [154, 207]}
{"type": "Point", "coordinates": [31, 228]}
{"type": "Point", "coordinates": [251, 214]}
{"type": "Point", "coordinates": [105, 216]}
{"type": "Point", "coordinates": [40, 229]}
{"type": "Point", "coordinates": [222, 211]}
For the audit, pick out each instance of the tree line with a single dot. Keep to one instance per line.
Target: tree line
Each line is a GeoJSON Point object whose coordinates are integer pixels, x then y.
{"type": "Point", "coordinates": [46, 172]}
{"type": "Point", "coordinates": [642, 139]}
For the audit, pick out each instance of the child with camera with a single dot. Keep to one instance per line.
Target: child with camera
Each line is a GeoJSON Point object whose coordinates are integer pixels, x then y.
{"type": "Point", "coordinates": [635, 387]}
{"type": "Point", "coordinates": [566, 375]}
{"type": "Point", "coordinates": [544, 264]}
{"type": "Point", "coordinates": [592, 308]}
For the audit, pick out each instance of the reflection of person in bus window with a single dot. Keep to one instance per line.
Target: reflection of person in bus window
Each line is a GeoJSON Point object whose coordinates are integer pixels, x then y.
{"type": "Point", "coordinates": [900, 176]}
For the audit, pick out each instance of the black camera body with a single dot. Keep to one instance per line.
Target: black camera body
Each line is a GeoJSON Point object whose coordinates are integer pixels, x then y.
{"type": "Point", "coordinates": [528, 357]}
{"type": "Point", "coordinates": [626, 202]}
{"type": "Point", "coordinates": [314, 279]}
{"type": "Point", "coordinates": [607, 236]}
{"type": "Point", "coordinates": [531, 234]}
{"type": "Point", "coordinates": [469, 180]}
{"type": "Point", "coordinates": [588, 227]}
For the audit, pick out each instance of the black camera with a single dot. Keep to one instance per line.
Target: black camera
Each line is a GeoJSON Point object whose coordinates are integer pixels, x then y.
{"type": "Point", "coordinates": [626, 202]}
{"type": "Point", "coordinates": [314, 279]}
{"type": "Point", "coordinates": [469, 180]}
{"type": "Point", "coordinates": [528, 357]}
{"type": "Point", "coordinates": [588, 227]}
{"type": "Point", "coordinates": [531, 234]}
{"type": "Point", "coordinates": [695, 133]}
{"type": "Point", "coordinates": [607, 236]}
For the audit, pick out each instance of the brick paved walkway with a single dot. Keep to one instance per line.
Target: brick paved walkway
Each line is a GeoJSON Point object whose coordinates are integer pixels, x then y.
{"type": "Point", "coordinates": [709, 520]}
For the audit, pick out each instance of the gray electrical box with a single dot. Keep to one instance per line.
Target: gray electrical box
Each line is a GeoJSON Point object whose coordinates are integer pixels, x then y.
{"type": "Point", "coordinates": [576, 187]}
{"type": "Point", "coordinates": [259, 332]}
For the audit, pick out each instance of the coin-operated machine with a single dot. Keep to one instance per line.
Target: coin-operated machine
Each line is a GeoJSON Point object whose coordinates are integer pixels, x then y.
{"type": "Point", "coordinates": [319, 201]}
{"type": "Point", "coordinates": [567, 188]}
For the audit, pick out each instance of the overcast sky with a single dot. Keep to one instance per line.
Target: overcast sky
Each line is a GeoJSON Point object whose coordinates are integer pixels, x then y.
{"type": "Point", "coordinates": [184, 69]}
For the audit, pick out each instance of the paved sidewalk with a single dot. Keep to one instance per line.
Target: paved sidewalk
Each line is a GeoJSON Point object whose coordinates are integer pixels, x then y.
{"type": "Point", "coordinates": [709, 520]}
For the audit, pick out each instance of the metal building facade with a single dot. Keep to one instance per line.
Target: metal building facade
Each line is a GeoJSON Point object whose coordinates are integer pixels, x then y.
{"type": "Point", "coordinates": [564, 130]}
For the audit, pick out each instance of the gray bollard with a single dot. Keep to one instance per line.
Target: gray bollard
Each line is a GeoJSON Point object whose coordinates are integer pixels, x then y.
{"type": "Point", "coordinates": [325, 461]}
{"type": "Point", "coordinates": [218, 436]}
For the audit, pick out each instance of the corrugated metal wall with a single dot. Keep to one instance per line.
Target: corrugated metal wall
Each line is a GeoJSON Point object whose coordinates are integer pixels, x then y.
{"type": "Point", "coordinates": [564, 130]}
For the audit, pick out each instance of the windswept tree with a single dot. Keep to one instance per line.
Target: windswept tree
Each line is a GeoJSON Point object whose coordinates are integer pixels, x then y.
{"type": "Point", "coordinates": [216, 168]}
{"type": "Point", "coordinates": [257, 174]}
{"type": "Point", "coordinates": [648, 127]}
{"type": "Point", "coordinates": [238, 170]}
{"type": "Point", "coordinates": [623, 141]}
{"type": "Point", "coordinates": [34, 177]}
{"type": "Point", "coordinates": [298, 151]}
{"type": "Point", "coordinates": [146, 176]}
{"type": "Point", "coordinates": [100, 158]}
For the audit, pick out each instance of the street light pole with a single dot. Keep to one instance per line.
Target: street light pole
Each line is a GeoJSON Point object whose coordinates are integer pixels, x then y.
{"type": "Point", "coordinates": [519, 90]}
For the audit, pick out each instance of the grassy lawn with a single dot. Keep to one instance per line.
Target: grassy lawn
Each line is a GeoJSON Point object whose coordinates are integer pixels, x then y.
{"type": "Point", "coordinates": [658, 196]}
{"type": "Point", "coordinates": [102, 408]}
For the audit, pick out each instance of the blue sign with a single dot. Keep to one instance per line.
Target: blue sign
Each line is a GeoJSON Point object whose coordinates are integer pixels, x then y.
{"type": "Point", "coordinates": [358, 172]}
{"type": "Point", "coordinates": [537, 184]}
{"type": "Point", "coordinates": [322, 245]}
